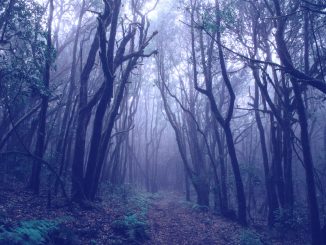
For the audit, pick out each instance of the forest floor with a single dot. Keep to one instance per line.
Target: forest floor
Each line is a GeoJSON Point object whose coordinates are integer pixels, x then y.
{"type": "Point", "coordinates": [174, 221]}
{"type": "Point", "coordinates": [124, 218]}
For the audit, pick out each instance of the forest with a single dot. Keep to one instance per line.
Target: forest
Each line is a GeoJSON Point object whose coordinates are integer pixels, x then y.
{"type": "Point", "coordinates": [163, 122]}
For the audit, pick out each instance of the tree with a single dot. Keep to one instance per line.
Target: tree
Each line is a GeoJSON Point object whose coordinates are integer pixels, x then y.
{"type": "Point", "coordinates": [224, 122]}
{"type": "Point", "coordinates": [34, 182]}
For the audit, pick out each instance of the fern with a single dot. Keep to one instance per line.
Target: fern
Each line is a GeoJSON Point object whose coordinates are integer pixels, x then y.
{"type": "Point", "coordinates": [29, 232]}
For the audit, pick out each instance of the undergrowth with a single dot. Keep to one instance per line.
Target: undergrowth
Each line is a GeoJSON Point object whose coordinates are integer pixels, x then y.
{"type": "Point", "coordinates": [200, 208]}
{"type": "Point", "coordinates": [129, 230]}
{"type": "Point", "coordinates": [37, 232]}
{"type": "Point", "coordinates": [249, 237]}
{"type": "Point", "coordinates": [287, 220]}
{"type": "Point", "coordinates": [133, 227]}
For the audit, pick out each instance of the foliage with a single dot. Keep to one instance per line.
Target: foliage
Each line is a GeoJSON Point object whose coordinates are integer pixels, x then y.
{"type": "Point", "coordinates": [200, 208]}
{"type": "Point", "coordinates": [22, 50]}
{"type": "Point", "coordinates": [227, 15]}
{"type": "Point", "coordinates": [141, 201]}
{"type": "Point", "coordinates": [131, 228]}
{"type": "Point", "coordinates": [15, 166]}
{"type": "Point", "coordinates": [2, 218]}
{"type": "Point", "coordinates": [250, 238]}
{"type": "Point", "coordinates": [253, 172]}
{"type": "Point", "coordinates": [63, 236]}
{"type": "Point", "coordinates": [117, 193]}
{"type": "Point", "coordinates": [28, 232]}
{"type": "Point", "coordinates": [37, 232]}
{"type": "Point", "coordinates": [287, 220]}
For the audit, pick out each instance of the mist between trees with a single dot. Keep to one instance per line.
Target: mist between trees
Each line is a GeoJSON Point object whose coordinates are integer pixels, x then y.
{"type": "Point", "coordinates": [221, 101]}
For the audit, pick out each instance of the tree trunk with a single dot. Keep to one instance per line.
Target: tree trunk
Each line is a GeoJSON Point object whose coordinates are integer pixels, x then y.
{"type": "Point", "coordinates": [237, 176]}
{"type": "Point", "coordinates": [224, 193]}
{"type": "Point", "coordinates": [309, 167]}
{"type": "Point", "coordinates": [34, 182]}
{"type": "Point", "coordinates": [271, 195]}
{"type": "Point", "coordinates": [77, 191]}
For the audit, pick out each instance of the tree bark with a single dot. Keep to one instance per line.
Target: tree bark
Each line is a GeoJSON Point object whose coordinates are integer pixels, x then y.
{"type": "Point", "coordinates": [309, 168]}
{"type": "Point", "coordinates": [34, 181]}
{"type": "Point", "coordinates": [77, 190]}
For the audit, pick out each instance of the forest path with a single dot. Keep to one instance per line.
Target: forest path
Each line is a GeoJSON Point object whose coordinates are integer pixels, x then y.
{"type": "Point", "coordinates": [173, 221]}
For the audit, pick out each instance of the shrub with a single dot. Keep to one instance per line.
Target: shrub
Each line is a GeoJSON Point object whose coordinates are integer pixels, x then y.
{"type": "Point", "coordinates": [63, 236]}
{"type": "Point", "coordinates": [116, 193]}
{"type": "Point", "coordinates": [131, 229]}
{"type": "Point", "coordinates": [250, 238]}
{"type": "Point", "coordinates": [287, 220]}
{"type": "Point", "coordinates": [200, 208]}
{"type": "Point", "coordinates": [2, 218]}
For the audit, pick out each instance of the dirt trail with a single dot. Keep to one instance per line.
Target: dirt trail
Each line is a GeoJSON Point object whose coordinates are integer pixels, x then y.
{"type": "Point", "coordinates": [175, 222]}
